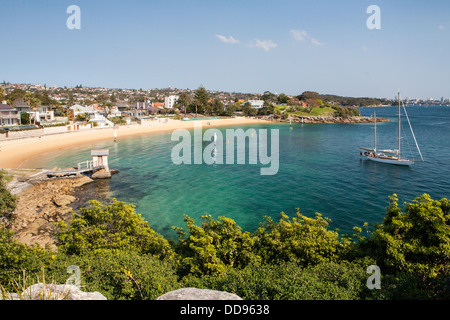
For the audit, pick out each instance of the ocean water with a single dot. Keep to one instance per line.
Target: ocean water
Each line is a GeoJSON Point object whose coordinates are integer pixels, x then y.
{"type": "Point", "coordinates": [320, 170]}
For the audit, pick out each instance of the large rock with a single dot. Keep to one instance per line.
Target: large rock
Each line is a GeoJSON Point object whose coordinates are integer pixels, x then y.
{"type": "Point", "coordinates": [63, 200]}
{"type": "Point", "coordinates": [101, 174]}
{"type": "Point", "coordinates": [42, 291]}
{"type": "Point", "coordinates": [198, 294]}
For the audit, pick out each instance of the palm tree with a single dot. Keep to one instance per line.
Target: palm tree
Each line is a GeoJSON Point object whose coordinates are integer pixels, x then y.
{"type": "Point", "coordinates": [34, 104]}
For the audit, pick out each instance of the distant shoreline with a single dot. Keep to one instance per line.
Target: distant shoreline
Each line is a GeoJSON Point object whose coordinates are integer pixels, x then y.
{"type": "Point", "coordinates": [321, 119]}
{"type": "Point", "coordinates": [13, 153]}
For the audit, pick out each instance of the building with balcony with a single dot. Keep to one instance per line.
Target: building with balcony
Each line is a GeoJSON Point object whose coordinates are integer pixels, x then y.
{"type": "Point", "coordinates": [9, 116]}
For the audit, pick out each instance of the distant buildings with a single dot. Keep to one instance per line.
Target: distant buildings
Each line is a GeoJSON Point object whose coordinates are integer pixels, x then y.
{"type": "Point", "coordinates": [9, 116]}
{"type": "Point", "coordinates": [170, 101]}
{"type": "Point", "coordinates": [257, 104]}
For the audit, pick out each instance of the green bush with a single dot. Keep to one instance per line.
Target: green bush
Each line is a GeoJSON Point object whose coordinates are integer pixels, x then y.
{"type": "Point", "coordinates": [120, 256]}
{"type": "Point", "coordinates": [214, 246]}
{"type": "Point", "coordinates": [416, 240]}
{"type": "Point", "coordinates": [289, 281]}
{"type": "Point", "coordinates": [17, 258]}
{"type": "Point", "coordinates": [113, 226]}
{"type": "Point", "coordinates": [302, 240]}
{"type": "Point", "coordinates": [119, 275]}
{"type": "Point", "coordinates": [8, 202]}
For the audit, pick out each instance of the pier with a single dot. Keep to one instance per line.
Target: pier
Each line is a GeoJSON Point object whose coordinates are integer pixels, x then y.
{"type": "Point", "coordinates": [97, 167]}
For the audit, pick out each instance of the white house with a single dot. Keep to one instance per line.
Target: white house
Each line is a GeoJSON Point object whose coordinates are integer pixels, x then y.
{"type": "Point", "coordinates": [257, 104]}
{"type": "Point", "coordinates": [9, 116]}
{"type": "Point", "coordinates": [170, 101]}
{"type": "Point", "coordinates": [78, 109]}
{"type": "Point", "coordinates": [43, 114]}
{"type": "Point", "coordinates": [100, 120]}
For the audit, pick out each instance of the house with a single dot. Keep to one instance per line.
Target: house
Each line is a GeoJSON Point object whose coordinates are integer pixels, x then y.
{"type": "Point", "coordinates": [9, 116]}
{"type": "Point", "coordinates": [257, 104]}
{"type": "Point", "coordinates": [113, 112]}
{"type": "Point", "coordinates": [42, 114]}
{"type": "Point", "coordinates": [141, 108]}
{"type": "Point", "coordinates": [77, 109]}
{"type": "Point", "coordinates": [22, 106]}
{"type": "Point", "coordinates": [170, 101]}
{"type": "Point", "coordinates": [100, 120]}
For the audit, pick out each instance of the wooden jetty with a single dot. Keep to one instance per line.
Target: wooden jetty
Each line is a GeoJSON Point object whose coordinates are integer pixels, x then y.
{"type": "Point", "coordinates": [97, 166]}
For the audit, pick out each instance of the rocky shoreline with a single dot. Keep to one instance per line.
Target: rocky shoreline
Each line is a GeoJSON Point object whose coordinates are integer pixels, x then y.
{"type": "Point", "coordinates": [42, 201]}
{"type": "Point", "coordinates": [320, 119]}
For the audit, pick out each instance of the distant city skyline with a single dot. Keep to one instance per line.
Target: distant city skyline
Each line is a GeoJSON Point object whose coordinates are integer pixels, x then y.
{"type": "Point", "coordinates": [233, 46]}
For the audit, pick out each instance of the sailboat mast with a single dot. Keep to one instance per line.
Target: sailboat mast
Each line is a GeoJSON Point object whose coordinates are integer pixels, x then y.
{"type": "Point", "coordinates": [375, 128]}
{"type": "Point", "coordinates": [399, 126]}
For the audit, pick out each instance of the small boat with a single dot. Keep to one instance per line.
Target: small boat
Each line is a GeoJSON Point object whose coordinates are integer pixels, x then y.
{"type": "Point", "coordinates": [391, 156]}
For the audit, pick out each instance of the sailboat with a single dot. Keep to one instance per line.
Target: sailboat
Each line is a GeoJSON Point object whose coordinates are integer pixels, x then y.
{"type": "Point", "coordinates": [391, 156]}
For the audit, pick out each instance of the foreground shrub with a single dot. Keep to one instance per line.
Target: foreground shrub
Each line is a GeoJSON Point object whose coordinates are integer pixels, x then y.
{"type": "Point", "coordinates": [114, 226]}
{"type": "Point", "coordinates": [289, 281]}
{"type": "Point", "coordinates": [214, 246]}
{"type": "Point", "coordinates": [303, 240]}
{"type": "Point", "coordinates": [119, 275]}
{"type": "Point", "coordinates": [15, 258]}
{"type": "Point", "coordinates": [416, 240]}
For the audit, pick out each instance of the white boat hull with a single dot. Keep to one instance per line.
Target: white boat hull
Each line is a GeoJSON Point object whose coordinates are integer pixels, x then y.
{"type": "Point", "coordinates": [401, 162]}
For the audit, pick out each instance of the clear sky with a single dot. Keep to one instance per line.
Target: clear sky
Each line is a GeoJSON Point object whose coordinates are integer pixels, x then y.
{"type": "Point", "coordinates": [242, 46]}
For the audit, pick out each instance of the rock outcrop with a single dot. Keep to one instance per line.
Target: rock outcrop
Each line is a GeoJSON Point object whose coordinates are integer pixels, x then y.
{"type": "Point", "coordinates": [41, 203]}
{"type": "Point", "coordinates": [198, 294]}
{"type": "Point", "coordinates": [321, 119]}
{"type": "Point", "coordinates": [42, 291]}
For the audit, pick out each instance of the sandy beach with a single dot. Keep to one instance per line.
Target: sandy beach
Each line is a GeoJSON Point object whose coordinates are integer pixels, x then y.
{"type": "Point", "coordinates": [13, 153]}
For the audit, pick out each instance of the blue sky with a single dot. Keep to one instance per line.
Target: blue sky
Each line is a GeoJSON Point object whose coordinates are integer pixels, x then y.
{"type": "Point", "coordinates": [243, 46]}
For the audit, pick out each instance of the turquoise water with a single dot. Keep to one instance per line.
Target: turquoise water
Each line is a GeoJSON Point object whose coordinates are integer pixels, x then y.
{"type": "Point", "coordinates": [320, 171]}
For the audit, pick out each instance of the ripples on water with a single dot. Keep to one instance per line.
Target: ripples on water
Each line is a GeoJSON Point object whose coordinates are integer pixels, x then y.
{"type": "Point", "coordinates": [320, 171]}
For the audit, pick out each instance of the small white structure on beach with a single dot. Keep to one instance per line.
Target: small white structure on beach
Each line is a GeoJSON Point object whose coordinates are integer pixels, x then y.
{"type": "Point", "coordinates": [100, 158]}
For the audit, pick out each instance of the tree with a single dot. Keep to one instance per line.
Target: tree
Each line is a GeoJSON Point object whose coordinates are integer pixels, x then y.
{"type": "Point", "coordinates": [184, 100]}
{"type": "Point", "coordinates": [309, 95]}
{"type": "Point", "coordinates": [201, 99]}
{"type": "Point", "coordinates": [248, 110]}
{"type": "Point", "coordinates": [34, 104]}
{"type": "Point", "coordinates": [269, 97]}
{"type": "Point", "coordinates": [217, 107]}
{"type": "Point", "coordinates": [14, 95]}
{"type": "Point", "coordinates": [416, 240]}
{"type": "Point", "coordinates": [282, 98]}
{"type": "Point", "coordinates": [25, 118]}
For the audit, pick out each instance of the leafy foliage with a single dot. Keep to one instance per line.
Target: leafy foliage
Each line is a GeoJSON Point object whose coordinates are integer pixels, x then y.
{"type": "Point", "coordinates": [114, 226]}
{"type": "Point", "coordinates": [302, 240]}
{"type": "Point", "coordinates": [120, 275]}
{"type": "Point", "coordinates": [8, 202]}
{"type": "Point", "coordinates": [416, 240]}
{"type": "Point", "coordinates": [214, 246]}
{"type": "Point", "coordinates": [289, 281]}
{"type": "Point", "coordinates": [298, 258]}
